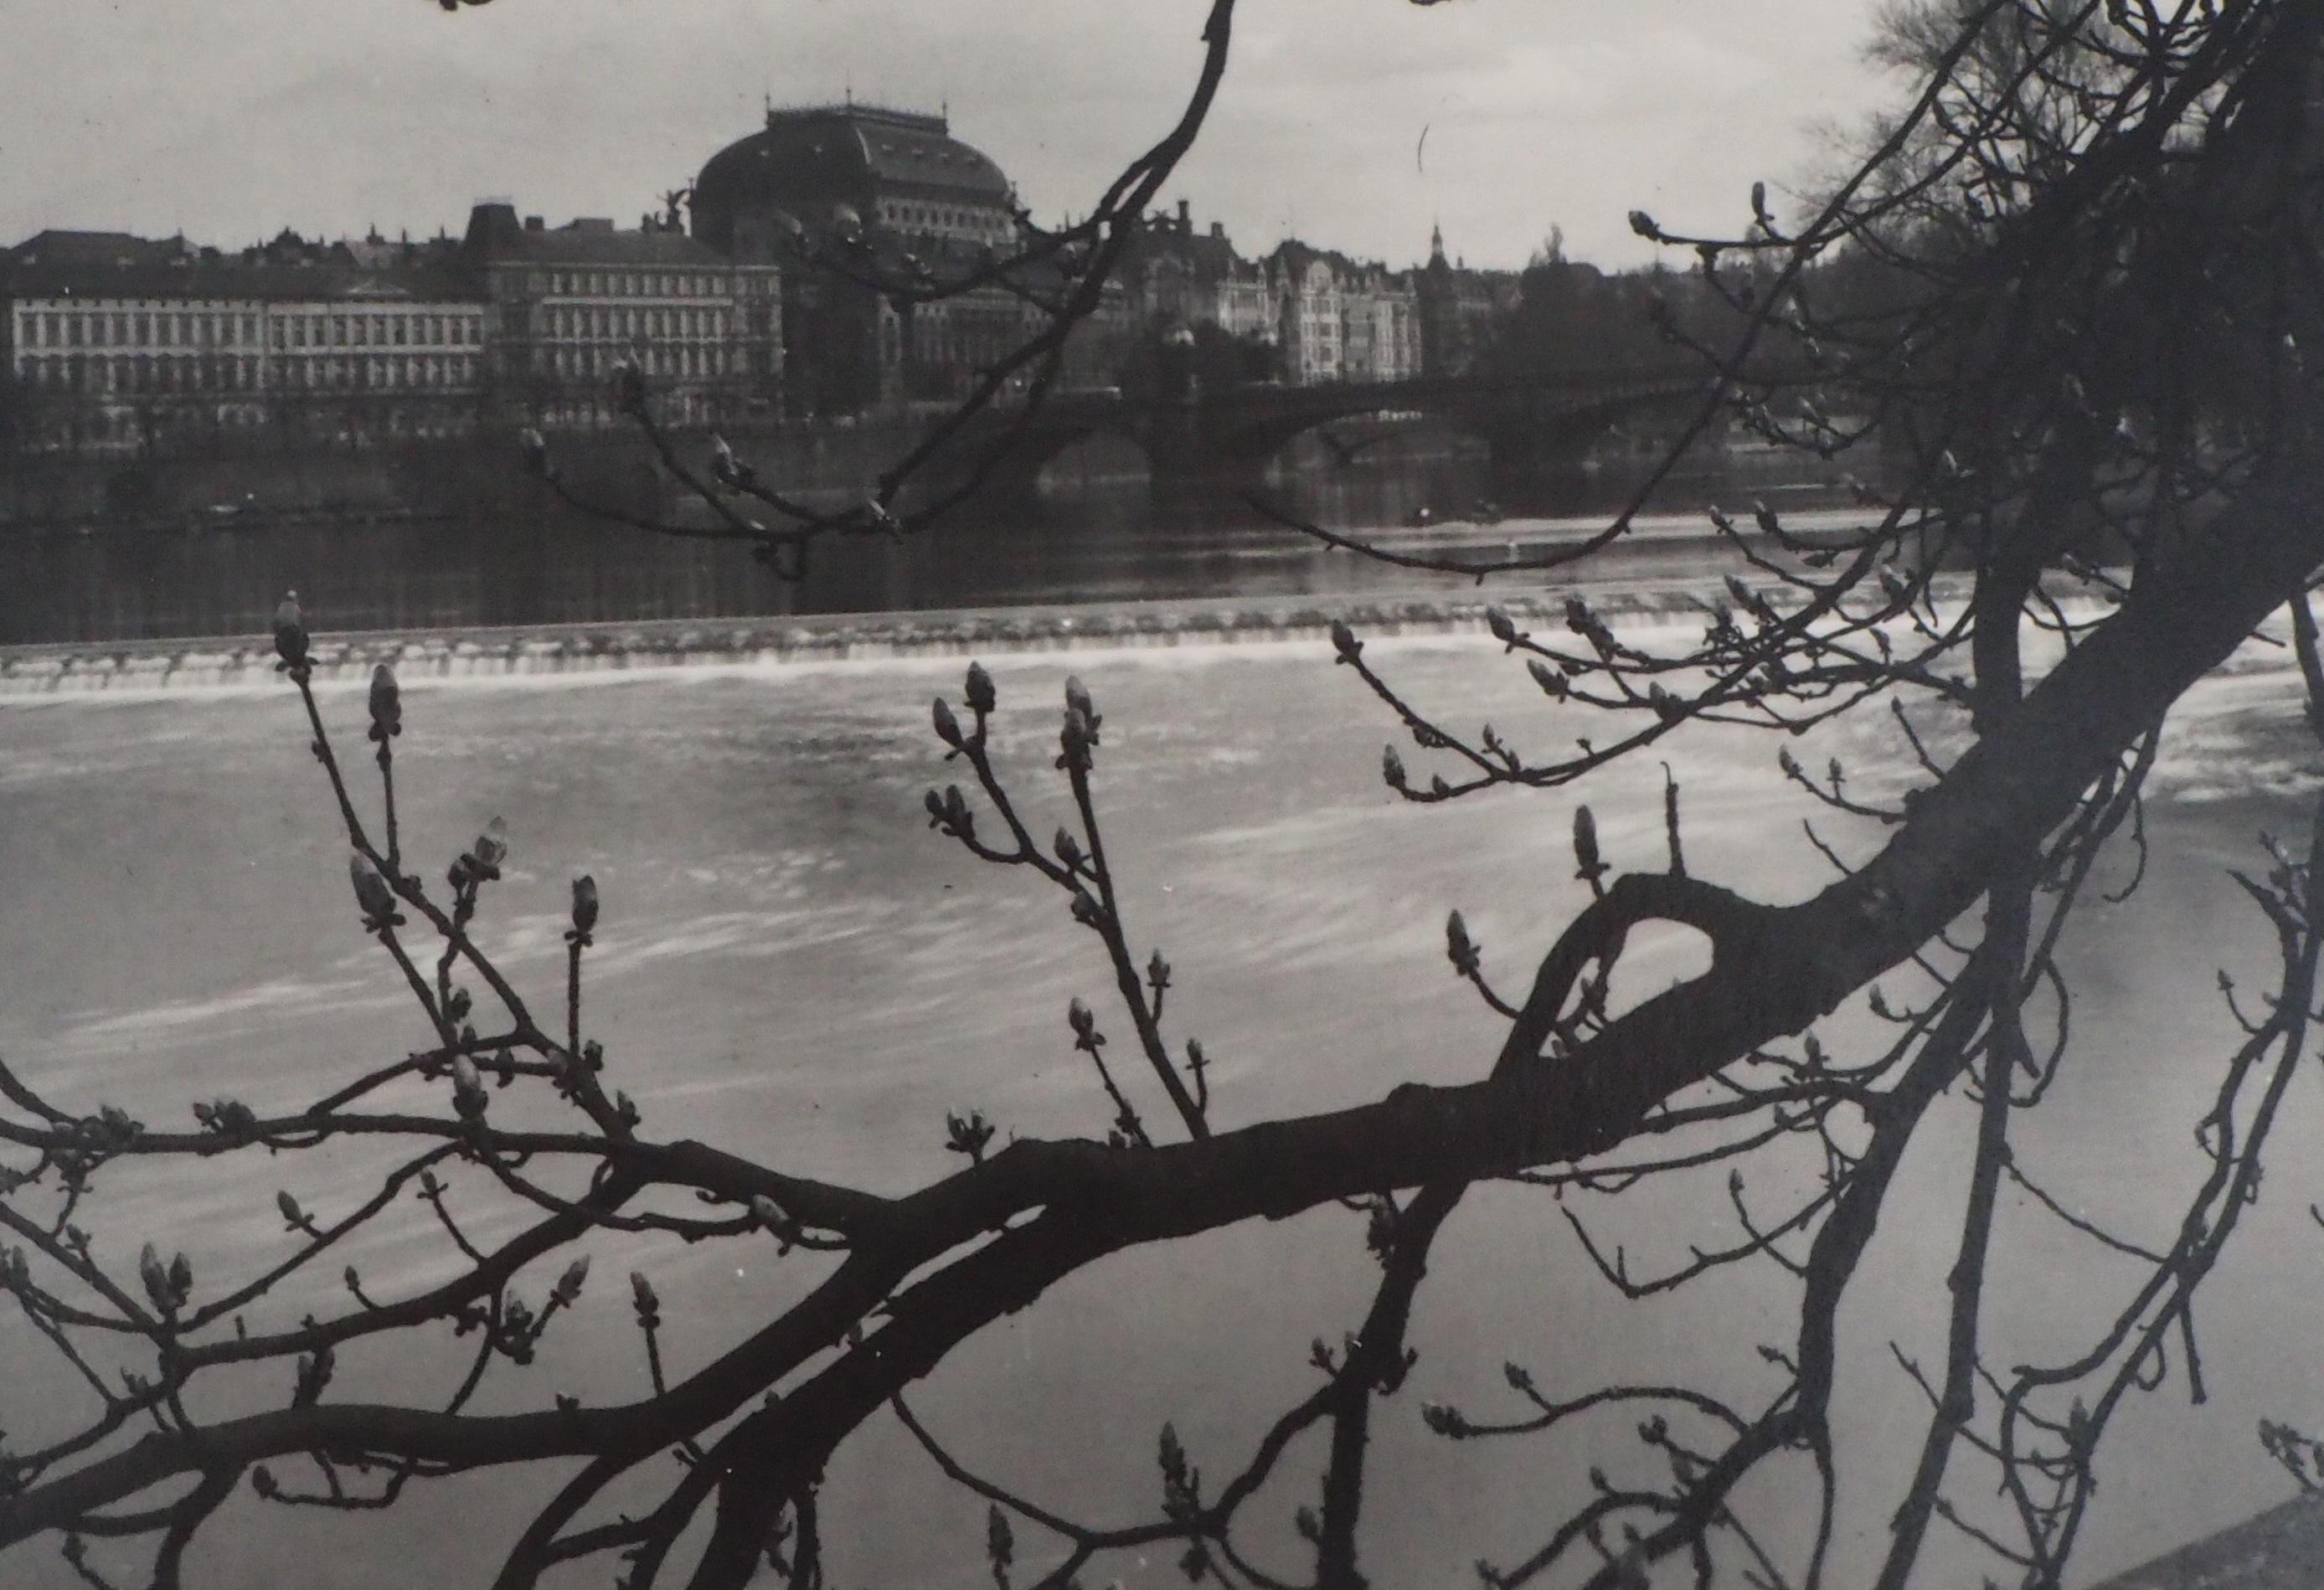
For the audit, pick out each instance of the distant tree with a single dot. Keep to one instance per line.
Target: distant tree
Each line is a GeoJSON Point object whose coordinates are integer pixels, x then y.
{"type": "Point", "coordinates": [2063, 172]}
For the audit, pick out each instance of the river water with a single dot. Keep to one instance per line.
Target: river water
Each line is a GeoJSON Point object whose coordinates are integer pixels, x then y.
{"type": "Point", "coordinates": [791, 964]}
{"type": "Point", "coordinates": [1096, 536]}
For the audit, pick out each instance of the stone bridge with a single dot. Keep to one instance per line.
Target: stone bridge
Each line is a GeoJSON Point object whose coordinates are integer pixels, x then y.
{"type": "Point", "coordinates": [1221, 440]}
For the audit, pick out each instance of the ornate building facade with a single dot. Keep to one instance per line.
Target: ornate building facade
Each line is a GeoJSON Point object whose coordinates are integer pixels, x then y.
{"type": "Point", "coordinates": [568, 304]}
{"type": "Point", "coordinates": [845, 197]}
{"type": "Point", "coordinates": [122, 345]}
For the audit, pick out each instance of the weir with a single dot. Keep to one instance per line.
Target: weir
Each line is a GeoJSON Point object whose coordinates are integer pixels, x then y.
{"type": "Point", "coordinates": [87, 671]}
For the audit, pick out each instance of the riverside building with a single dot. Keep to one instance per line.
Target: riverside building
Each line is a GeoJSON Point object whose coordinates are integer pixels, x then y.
{"type": "Point", "coordinates": [569, 304]}
{"type": "Point", "coordinates": [845, 197]}
{"type": "Point", "coordinates": [111, 343]}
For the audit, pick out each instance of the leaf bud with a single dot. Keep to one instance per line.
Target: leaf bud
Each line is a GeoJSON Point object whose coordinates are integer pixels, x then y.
{"type": "Point", "coordinates": [1074, 740]}
{"type": "Point", "coordinates": [386, 704]}
{"type": "Point", "coordinates": [1078, 699]}
{"type": "Point", "coordinates": [156, 1279]}
{"type": "Point", "coordinates": [1504, 629]}
{"type": "Point", "coordinates": [293, 1215]}
{"type": "Point", "coordinates": [956, 812]}
{"type": "Point", "coordinates": [1588, 865]}
{"type": "Point", "coordinates": [1552, 682]}
{"type": "Point", "coordinates": [1068, 848]}
{"type": "Point", "coordinates": [1083, 1020]}
{"type": "Point", "coordinates": [1392, 767]}
{"type": "Point", "coordinates": [1344, 641]}
{"type": "Point", "coordinates": [1459, 947]}
{"type": "Point", "coordinates": [291, 630]}
{"type": "Point", "coordinates": [978, 692]}
{"type": "Point", "coordinates": [490, 849]}
{"type": "Point", "coordinates": [373, 897]}
{"type": "Point", "coordinates": [467, 1089]}
{"type": "Point", "coordinates": [642, 1293]}
{"type": "Point", "coordinates": [584, 905]}
{"type": "Point", "coordinates": [768, 1213]}
{"type": "Point", "coordinates": [568, 1285]}
{"type": "Point", "coordinates": [947, 727]}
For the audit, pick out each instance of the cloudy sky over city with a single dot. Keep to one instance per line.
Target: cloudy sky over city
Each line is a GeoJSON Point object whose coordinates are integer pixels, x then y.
{"type": "Point", "coordinates": [1352, 122]}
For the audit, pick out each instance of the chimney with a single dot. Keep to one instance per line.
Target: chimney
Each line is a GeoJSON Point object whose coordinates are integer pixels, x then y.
{"type": "Point", "coordinates": [1219, 230]}
{"type": "Point", "coordinates": [532, 224]}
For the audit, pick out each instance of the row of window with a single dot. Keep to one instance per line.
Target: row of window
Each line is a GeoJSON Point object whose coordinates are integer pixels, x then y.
{"type": "Point", "coordinates": [334, 330]}
{"type": "Point", "coordinates": [569, 321]}
{"type": "Point", "coordinates": [195, 328]}
{"type": "Point", "coordinates": [642, 284]}
{"type": "Point", "coordinates": [947, 217]}
{"type": "Point", "coordinates": [245, 372]}
{"type": "Point", "coordinates": [571, 363]}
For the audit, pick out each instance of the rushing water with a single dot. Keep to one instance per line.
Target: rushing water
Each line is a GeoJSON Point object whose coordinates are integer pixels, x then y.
{"type": "Point", "coordinates": [1094, 537]}
{"type": "Point", "coordinates": [792, 965]}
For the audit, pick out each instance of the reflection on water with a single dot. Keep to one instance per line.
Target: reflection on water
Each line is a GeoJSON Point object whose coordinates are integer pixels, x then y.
{"type": "Point", "coordinates": [791, 965]}
{"type": "Point", "coordinates": [1090, 538]}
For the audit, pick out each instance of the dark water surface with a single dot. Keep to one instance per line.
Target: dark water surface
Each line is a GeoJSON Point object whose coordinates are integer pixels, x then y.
{"type": "Point", "coordinates": [791, 964]}
{"type": "Point", "coordinates": [1091, 538]}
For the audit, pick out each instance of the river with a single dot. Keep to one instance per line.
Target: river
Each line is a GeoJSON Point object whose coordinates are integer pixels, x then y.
{"type": "Point", "coordinates": [792, 964]}
{"type": "Point", "coordinates": [1093, 536]}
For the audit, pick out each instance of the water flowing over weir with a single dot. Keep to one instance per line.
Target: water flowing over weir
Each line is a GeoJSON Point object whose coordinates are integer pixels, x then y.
{"type": "Point", "coordinates": [41, 672]}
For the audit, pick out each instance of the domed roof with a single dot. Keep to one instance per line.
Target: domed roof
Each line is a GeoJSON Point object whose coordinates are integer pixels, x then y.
{"type": "Point", "coordinates": [808, 161]}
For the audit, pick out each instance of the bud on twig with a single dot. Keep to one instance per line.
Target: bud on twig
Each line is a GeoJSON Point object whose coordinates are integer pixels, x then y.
{"type": "Point", "coordinates": [467, 1089]}
{"type": "Point", "coordinates": [1503, 627]}
{"type": "Point", "coordinates": [1074, 741]}
{"type": "Point", "coordinates": [1078, 699]}
{"type": "Point", "coordinates": [1084, 1022]}
{"type": "Point", "coordinates": [156, 1279]}
{"type": "Point", "coordinates": [373, 897]}
{"type": "Point", "coordinates": [1553, 683]}
{"type": "Point", "coordinates": [567, 1290]}
{"type": "Point", "coordinates": [1344, 641]}
{"type": "Point", "coordinates": [1590, 866]}
{"type": "Point", "coordinates": [290, 631]}
{"type": "Point", "coordinates": [585, 908]}
{"type": "Point", "coordinates": [1459, 947]}
{"type": "Point", "coordinates": [386, 704]}
{"type": "Point", "coordinates": [641, 1296]}
{"type": "Point", "coordinates": [979, 692]}
{"type": "Point", "coordinates": [947, 727]}
{"type": "Point", "coordinates": [1068, 848]}
{"type": "Point", "coordinates": [1392, 767]}
{"type": "Point", "coordinates": [956, 815]}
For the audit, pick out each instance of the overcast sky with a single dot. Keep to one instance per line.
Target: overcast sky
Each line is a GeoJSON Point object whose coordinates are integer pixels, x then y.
{"type": "Point", "coordinates": [229, 119]}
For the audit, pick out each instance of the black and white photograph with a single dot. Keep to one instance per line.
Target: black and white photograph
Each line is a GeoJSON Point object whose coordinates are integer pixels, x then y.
{"type": "Point", "coordinates": [1276, 794]}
